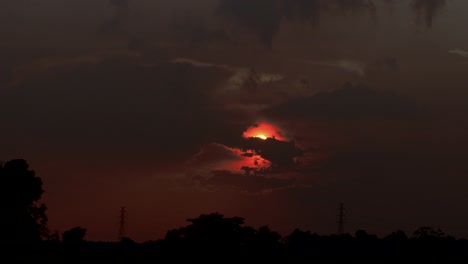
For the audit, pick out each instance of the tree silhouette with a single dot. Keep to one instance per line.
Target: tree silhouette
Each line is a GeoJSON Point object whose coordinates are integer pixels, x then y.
{"type": "Point", "coordinates": [300, 243]}
{"type": "Point", "coordinates": [363, 235]}
{"type": "Point", "coordinates": [397, 236]}
{"type": "Point", "coordinates": [23, 219]}
{"type": "Point", "coordinates": [74, 236]}
{"type": "Point", "coordinates": [211, 234]}
{"type": "Point", "coordinates": [427, 232]}
{"type": "Point", "coordinates": [266, 241]}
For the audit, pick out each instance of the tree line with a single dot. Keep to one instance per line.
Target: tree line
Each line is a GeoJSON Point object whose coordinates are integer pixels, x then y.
{"type": "Point", "coordinates": [207, 236]}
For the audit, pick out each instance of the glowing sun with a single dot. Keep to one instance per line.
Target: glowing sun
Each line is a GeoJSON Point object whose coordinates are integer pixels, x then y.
{"type": "Point", "coordinates": [264, 131]}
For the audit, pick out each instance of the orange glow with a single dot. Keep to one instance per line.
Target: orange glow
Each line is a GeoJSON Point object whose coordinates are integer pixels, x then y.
{"type": "Point", "coordinates": [264, 130]}
{"type": "Point", "coordinates": [254, 161]}
{"type": "Point", "coordinates": [236, 165]}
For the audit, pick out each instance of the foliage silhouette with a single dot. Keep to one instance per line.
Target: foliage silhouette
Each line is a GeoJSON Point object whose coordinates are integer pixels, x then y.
{"type": "Point", "coordinates": [397, 236]}
{"type": "Point", "coordinates": [363, 235]}
{"type": "Point", "coordinates": [74, 236]}
{"type": "Point", "coordinates": [265, 242]}
{"type": "Point", "coordinates": [215, 237]}
{"type": "Point", "coordinates": [127, 241]}
{"type": "Point", "coordinates": [23, 219]}
{"type": "Point", "coordinates": [427, 232]}
{"type": "Point", "coordinates": [213, 234]}
{"type": "Point", "coordinates": [301, 243]}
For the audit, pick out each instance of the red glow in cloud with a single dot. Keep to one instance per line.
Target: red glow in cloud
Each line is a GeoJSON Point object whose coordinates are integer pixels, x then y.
{"type": "Point", "coordinates": [215, 156]}
{"type": "Point", "coordinates": [264, 130]}
{"type": "Point", "coordinates": [254, 161]}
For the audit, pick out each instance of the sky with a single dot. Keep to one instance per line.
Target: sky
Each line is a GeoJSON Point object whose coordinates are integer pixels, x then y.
{"type": "Point", "coordinates": [273, 110]}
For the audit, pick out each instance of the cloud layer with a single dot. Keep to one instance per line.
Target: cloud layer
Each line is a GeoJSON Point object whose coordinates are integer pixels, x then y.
{"type": "Point", "coordinates": [264, 18]}
{"type": "Point", "coordinates": [350, 102]}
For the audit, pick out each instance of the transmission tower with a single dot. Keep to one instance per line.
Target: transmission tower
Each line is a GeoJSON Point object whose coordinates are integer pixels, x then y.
{"type": "Point", "coordinates": [341, 219]}
{"type": "Point", "coordinates": [122, 224]}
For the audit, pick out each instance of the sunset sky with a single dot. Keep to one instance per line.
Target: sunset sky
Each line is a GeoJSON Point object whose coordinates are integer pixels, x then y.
{"type": "Point", "coordinates": [273, 110]}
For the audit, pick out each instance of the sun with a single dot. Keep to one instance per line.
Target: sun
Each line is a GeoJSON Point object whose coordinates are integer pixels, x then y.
{"type": "Point", "coordinates": [264, 131]}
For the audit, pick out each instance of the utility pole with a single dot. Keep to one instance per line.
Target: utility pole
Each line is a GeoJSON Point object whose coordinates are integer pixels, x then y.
{"type": "Point", "coordinates": [341, 220]}
{"type": "Point", "coordinates": [122, 224]}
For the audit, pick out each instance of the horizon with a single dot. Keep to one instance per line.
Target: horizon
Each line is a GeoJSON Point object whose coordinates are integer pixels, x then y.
{"type": "Point", "coordinates": [409, 233]}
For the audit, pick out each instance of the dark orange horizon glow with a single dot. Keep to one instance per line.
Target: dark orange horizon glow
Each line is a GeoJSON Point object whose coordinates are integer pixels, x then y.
{"type": "Point", "coordinates": [263, 131]}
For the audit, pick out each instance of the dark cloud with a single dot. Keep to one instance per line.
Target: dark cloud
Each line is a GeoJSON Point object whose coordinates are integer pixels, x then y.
{"type": "Point", "coordinates": [191, 30]}
{"type": "Point", "coordinates": [428, 9]}
{"type": "Point", "coordinates": [254, 156]}
{"type": "Point", "coordinates": [302, 10]}
{"type": "Point", "coordinates": [212, 153]}
{"type": "Point", "coordinates": [119, 3]}
{"type": "Point", "coordinates": [44, 67]}
{"type": "Point", "coordinates": [126, 109]}
{"type": "Point", "coordinates": [388, 63]}
{"type": "Point", "coordinates": [357, 6]}
{"type": "Point", "coordinates": [350, 102]}
{"type": "Point", "coordinates": [266, 164]}
{"type": "Point", "coordinates": [116, 23]}
{"type": "Point", "coordinates": [384, 65]}
{"type": "Point", "coordinates": [251, 184]}
{"type": "Point", "coordinates": [264, 17]}
{"type": "Point", "coordinates": [260, 16]}
{"type": "Point", "coordinates": [281, 154]}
